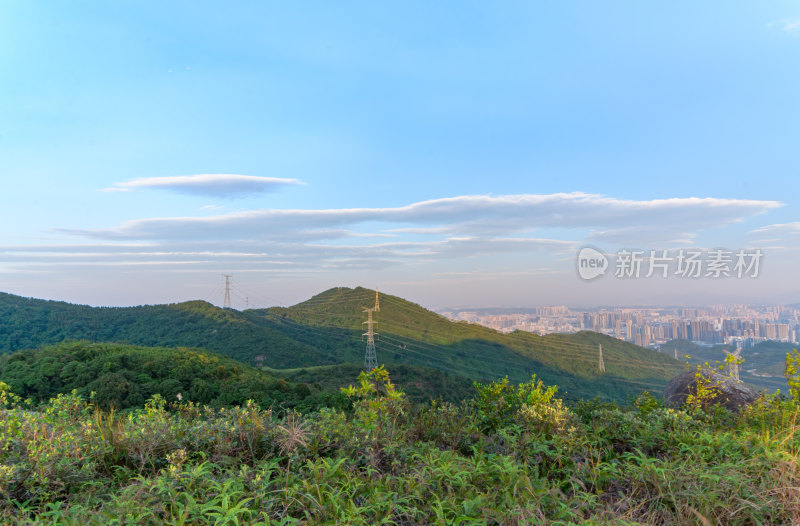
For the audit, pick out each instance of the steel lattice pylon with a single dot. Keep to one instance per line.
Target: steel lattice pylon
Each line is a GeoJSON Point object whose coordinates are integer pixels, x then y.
{"type": "Point", "coordinates": [370, 358]}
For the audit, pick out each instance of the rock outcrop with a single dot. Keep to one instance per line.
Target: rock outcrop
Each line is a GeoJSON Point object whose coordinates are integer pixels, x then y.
{"type": "Point", "coordinates": [728, 392]}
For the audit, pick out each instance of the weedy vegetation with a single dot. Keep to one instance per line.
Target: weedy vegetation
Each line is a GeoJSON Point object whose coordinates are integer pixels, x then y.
{"type": "Point", "coordinates": [512, 454]}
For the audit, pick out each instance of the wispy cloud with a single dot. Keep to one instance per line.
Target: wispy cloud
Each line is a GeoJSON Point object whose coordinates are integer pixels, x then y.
{"type": "Point", "coordinates": [237, 254]}
{"type": "Point", "coordinates": [641, 235]}
{"type": "Point", "coordinates": [486, 216]}
{"type": "Point", "coordinates": [461, 228]}
{"type": "Point", "coordinates": [214, 185]}
{"type": "Point", "coordinates": [788, 25]}
{"type": "Point", "coordinates": [778, 229]}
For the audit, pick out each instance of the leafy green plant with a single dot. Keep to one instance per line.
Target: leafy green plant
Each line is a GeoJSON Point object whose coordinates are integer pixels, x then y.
{"type": "Point", "coordinates": [647, 403]}
{"type": "Point", "coordinates": [704, 392]}
{"type": "Point", "coordinates": [531, 405]}
{"type": "Point", "coordinates": [377, 403]}
{"type": "Point", "coordinates": [792, 373]}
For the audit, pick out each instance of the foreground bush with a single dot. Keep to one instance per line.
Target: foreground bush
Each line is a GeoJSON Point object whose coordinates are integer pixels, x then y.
{"type": "Point", "coordinates": [512, 455]}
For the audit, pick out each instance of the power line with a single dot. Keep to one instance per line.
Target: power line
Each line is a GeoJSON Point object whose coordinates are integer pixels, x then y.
{"type": "Point", "coordinates": [433, 360]}
{"type": "Point", "coordinates": [489, 330]}
{"type": "Point", "coordinates": [309, 331]}
{"type": "Point", "coordinates": [549, 344]}
{"type": "Point", "coordinates": [247, 294]}
{"type": "Point", "coordinates": [532, 349]}
{"type": "Point", "coordinates": [550, 340]}
{"type": "Point", "coordinates": [479, 373]}
{"type": "Point", "coordinates": [574, 350]}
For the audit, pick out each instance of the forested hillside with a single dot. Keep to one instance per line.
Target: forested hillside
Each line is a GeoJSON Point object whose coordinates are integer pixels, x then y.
{"type": "Point", "coordinates": [421, 384]}
{"type": "Point", "coordinates": [408, 333]}
{"type": "Point", "coordinates": [125, 376]}
{"type": "Point", "coordinates": [28, 323]}
{"type": "Point", "coordinates": [327, 330]}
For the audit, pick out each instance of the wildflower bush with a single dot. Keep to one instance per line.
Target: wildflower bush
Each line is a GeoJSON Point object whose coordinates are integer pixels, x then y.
{"type": "Point", "coordinates": [514, 454]}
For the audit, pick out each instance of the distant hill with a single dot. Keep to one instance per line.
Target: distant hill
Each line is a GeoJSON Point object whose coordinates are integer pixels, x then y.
{"type": "Point", "coordinates": [411, 334]}
{"type": "Point", "coordinates": [327, 330]}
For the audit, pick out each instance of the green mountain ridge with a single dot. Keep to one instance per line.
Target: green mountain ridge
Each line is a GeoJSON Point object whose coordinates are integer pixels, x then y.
{"type": "Point", "coordinates": [29, 323]}
{"type": "Point", "coordinates": [408, 333]}
{"type": "Point", "coordinates": [327, 330]}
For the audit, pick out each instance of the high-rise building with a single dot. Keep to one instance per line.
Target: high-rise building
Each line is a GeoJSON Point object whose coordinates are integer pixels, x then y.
{"type": "Point", "coordinates": [771, 331]}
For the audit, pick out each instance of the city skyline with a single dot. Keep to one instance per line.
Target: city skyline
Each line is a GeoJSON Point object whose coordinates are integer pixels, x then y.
{"type": "Point", "coordinates": [742, 325]}
{"type": "Point", "coordinates": [451, 154]}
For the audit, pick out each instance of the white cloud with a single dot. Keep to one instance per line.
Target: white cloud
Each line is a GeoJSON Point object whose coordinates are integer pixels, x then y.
{"type": "Point", "coordinates": [248, 255]}
{"type": "Point", "coordinates": [460, 233]}
{"type": "Point", "coordinates": [642, 236]}
{"type": "Point", "coordinates": [777, 233]}
{"type": "Point", "coordinates": [460, 228]}
{"type": "Point", "coordinates": [214, 185]}
{"type": "Point", "coordinates": [781, 228]}
{"type": "Point", "coordinates": [788, 25]}
{"type": "Point", "coordinates": [463, 215]}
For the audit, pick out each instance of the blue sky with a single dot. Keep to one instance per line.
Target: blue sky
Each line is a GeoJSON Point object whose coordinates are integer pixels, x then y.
{"type": "Point", "coordinates": [456, 153]}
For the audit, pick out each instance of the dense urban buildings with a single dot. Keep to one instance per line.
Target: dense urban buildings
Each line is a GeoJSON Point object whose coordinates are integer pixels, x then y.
{"type": "Point", "coordinates": [650, 326]}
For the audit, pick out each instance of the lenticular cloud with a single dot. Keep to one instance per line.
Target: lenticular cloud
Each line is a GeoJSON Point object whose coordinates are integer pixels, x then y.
{"type": "Point", "coordinates": [212, 185]}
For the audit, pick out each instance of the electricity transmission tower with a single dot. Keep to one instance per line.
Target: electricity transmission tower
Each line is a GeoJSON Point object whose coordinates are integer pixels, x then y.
{"type": "Point", "coordinates": [226, 304]}
{"type": "Point", "coordinates": [370, 358]}
{"type": "Point", "coordinates": [602, 366]}
{"type": "Point", "coordinates": [733, 366]}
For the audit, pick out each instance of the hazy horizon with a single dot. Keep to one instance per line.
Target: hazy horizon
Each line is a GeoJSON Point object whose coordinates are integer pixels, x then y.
{"type": "Point", "coordinates": [240, 302]}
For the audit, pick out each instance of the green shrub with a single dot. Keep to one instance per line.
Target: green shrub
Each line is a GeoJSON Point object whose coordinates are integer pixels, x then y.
{"type": "Point", "coordinates": [530, 405]}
